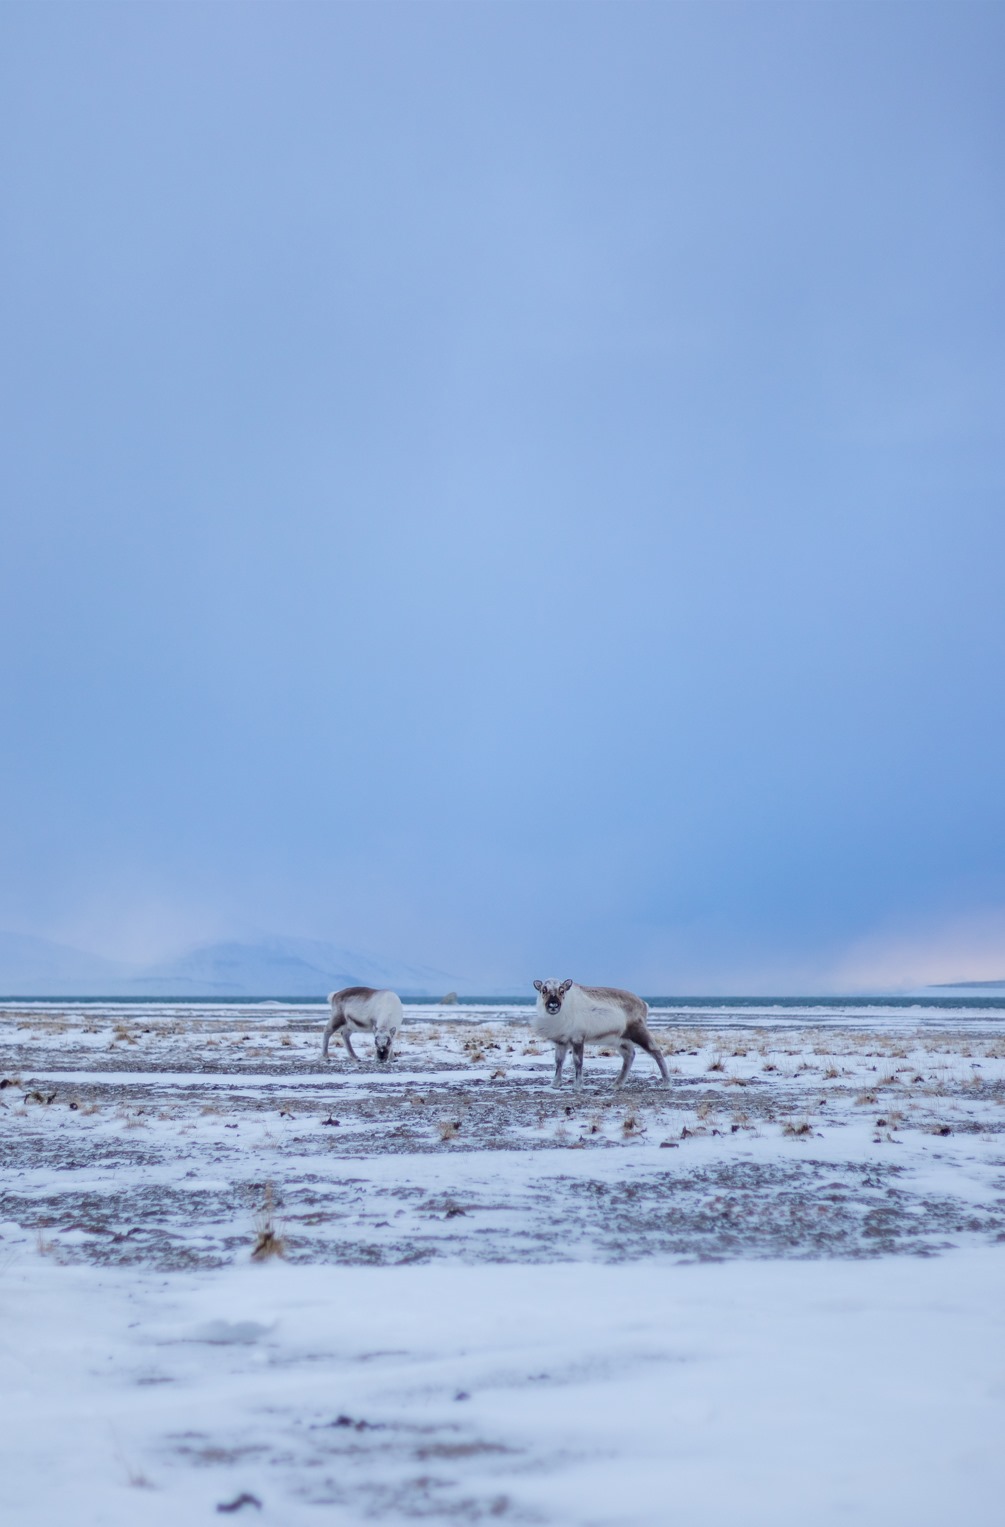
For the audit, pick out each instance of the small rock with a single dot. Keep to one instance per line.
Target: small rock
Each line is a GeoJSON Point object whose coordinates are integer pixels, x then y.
{"type": "Point", "coordinates": [244, 1499]}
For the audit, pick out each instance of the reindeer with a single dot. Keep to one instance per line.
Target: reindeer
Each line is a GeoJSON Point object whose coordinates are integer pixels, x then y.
{"type": "Point", "coordinates": [361, 1009]}
{"type": "Point", "coordinates": [568, 1014]}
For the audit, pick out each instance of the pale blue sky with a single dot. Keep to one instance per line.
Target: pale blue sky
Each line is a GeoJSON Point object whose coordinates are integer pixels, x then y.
{"type": "Point", "coordinates": [515, 487]}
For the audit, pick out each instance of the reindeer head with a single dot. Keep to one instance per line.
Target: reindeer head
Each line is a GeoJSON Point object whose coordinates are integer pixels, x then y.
{"type": "Point", "coordinates": [552, 993]}
{"type": "Point", "coordinates": [383, 1040]}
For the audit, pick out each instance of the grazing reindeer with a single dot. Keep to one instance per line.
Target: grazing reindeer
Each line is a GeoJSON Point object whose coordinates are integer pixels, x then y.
{"type": "Point", "coordinates": [361, 1009]}
{"type": "Point", "coordinates": [568, 1014]}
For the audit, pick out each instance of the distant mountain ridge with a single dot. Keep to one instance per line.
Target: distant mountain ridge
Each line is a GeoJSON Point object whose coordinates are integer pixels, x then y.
{"type": "Point", "coordinates": [267, 967]}
{"type": "Point", "coordinates": [32, 965]}
{"type": "Point", "coordinates": [965, 985]}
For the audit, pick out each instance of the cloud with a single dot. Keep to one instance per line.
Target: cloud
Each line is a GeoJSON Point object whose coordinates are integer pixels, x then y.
{"type": "Point", "coordinates": [966, 947]}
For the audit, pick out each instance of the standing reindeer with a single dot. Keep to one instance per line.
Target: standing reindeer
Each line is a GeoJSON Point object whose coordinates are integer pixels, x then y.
{"type": "Point", "coordinates": [568, 1014]}
{"type": "Point", "coordinates": [362, 1010]}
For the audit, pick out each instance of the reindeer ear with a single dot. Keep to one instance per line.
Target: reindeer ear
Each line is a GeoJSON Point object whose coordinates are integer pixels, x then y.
{"type": "Point", "coordinates": [565, 987]}
{"type": "Point", "coordinates": [539, 986]}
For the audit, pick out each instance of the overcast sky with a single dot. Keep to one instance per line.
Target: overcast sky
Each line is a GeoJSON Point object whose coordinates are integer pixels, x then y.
{"type": "Point", "coordinates": [513, 487]}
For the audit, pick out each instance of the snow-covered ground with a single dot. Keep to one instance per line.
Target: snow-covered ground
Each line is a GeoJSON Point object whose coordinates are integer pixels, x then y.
{"type": "Point", "coordinates": [769, 1293]}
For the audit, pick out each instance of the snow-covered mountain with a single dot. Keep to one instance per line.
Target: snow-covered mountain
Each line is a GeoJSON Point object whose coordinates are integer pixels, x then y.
{"type": "Point", "coordinates": [36, 966]}
{"type": "Point", "coordinates": [284, 967]}
{"type": "Point", "coordinates": [266, 967]}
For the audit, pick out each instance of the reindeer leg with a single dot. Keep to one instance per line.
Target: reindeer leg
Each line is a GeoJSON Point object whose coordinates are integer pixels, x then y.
{"type": "Point", "coordinates": [640, 1035]}
{"type": "Point", "coordinates": [334, 1022]}
{"type": "Point", "coordinates": [561, 1050]}
{"type": "Point", "coordinates": [348, 1042]}
{"type": "Point", "coordinates": [578, 1046]}
{"type": "Point", "coordinates": [627, 1057]}
{"type": "Point", "coordinates": [657, 1055]}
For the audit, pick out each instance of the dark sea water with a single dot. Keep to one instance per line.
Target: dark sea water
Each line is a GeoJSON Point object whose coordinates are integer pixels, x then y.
{"type": "Point", "coordinates": [978, 1005]}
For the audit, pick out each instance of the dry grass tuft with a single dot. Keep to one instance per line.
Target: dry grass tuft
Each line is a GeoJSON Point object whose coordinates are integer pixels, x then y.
{"type": "Point", "coordinates": [268, 1241]}
{"type": "Point", "coordinates": [449, 1129]}
{"type": "Point", "coordinates": [134, 1477]}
